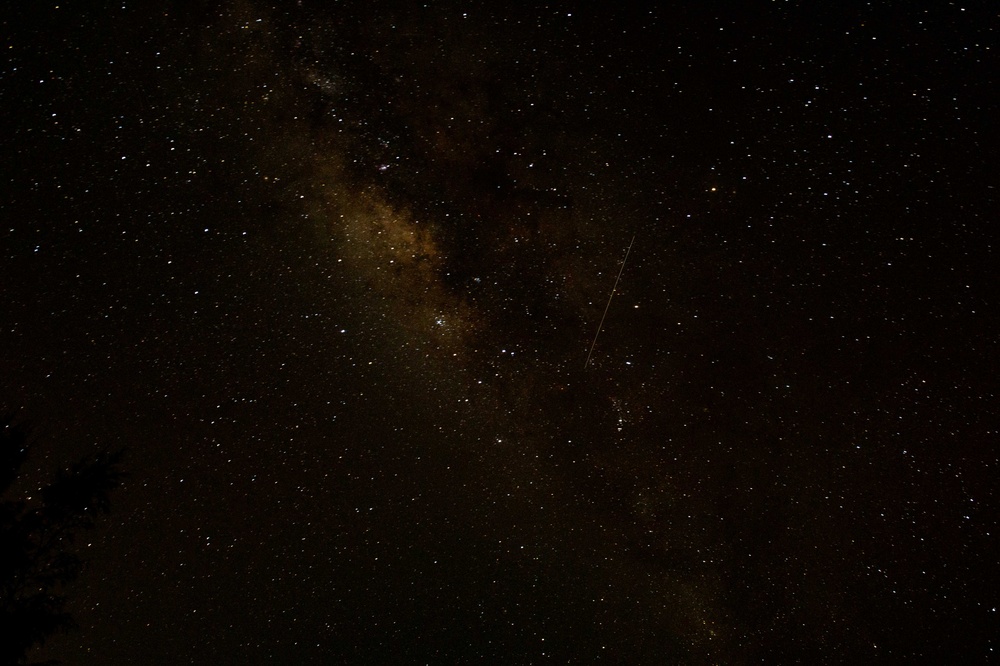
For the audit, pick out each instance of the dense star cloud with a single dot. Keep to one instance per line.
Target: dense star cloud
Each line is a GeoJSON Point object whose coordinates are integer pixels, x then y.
{"type": "Point", "coordinates": [331, 271]}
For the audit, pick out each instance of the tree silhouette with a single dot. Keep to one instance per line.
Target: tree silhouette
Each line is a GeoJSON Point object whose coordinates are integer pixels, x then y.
{"type": "Point", "coordinates": [37, 559]}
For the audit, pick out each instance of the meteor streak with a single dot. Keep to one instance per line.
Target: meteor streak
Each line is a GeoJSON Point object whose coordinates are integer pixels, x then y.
{"type": "Point", "coordinates": [610, 296]}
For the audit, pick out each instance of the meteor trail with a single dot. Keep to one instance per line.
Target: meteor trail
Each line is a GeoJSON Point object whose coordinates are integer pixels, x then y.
{"type": "Point", "coordinates": [610, 296]}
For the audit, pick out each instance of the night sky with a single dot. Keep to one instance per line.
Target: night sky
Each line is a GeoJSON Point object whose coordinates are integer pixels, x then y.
{"type": "Point", "coordinates": [331, 271]}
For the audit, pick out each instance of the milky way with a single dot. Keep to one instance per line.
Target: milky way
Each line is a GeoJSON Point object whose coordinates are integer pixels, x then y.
{"type": "Point", "coordinates": [332, 272]}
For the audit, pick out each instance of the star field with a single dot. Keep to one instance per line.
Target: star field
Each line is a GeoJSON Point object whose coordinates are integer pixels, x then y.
{"type": "Point", "coordinates": [331, 272]}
